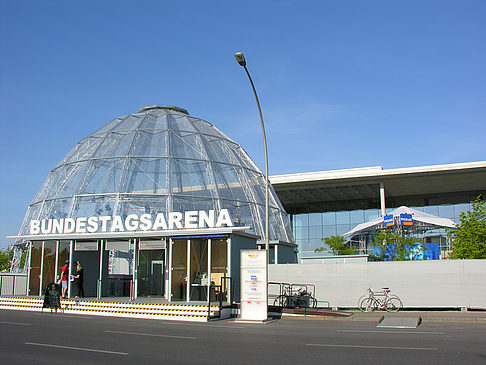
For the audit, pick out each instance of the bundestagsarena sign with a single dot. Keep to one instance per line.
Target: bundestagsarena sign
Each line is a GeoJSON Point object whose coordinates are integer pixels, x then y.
{"type": "Point", "coordinates": [132, 222]}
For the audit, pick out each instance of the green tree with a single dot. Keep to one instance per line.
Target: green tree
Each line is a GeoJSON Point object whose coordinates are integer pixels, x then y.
{"type": "Point", "coordinates": [6, 255]}
{"type": "Point", "coordinates": [393, 246]}
{"type": "Point", "coordinates": [469, 239]}
{"type": "Point", "coordinates": [338, 246]}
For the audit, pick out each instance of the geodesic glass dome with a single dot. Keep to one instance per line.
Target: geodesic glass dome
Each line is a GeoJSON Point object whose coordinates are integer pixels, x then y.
{"type": "Point", "coordinates": [158, 160]}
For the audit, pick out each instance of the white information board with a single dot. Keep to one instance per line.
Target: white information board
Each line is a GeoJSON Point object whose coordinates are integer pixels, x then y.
{"type": "Point", "coordinates": [254, 286]}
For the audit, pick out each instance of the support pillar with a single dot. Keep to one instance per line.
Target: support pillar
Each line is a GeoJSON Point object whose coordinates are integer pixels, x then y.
{"type": "Point", "coordinates": [382, 199]}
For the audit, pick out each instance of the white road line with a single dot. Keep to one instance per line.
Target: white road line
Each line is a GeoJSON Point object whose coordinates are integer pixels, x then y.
{"type": "Point", "coordinates": [16, 323]}
{"type": "Point", "coordinates": [151, 334]}
{"type": "Point", "coordinates": [173, 323]}
{"type": "Point", "coordinates": [397, 332]}
{"type": "Point", "coordinates": [75, 348]}
{"type": "Point", "coordinates": [373, 347]}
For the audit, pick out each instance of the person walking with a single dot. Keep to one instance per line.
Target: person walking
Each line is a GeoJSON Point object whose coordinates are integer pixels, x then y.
{"type": "Point", "coordinates": [64, 279]}
{"type": "Point", "coordinates": [79, 279]}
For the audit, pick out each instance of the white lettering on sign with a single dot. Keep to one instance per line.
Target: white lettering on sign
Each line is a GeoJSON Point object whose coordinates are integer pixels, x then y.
{"type": "Point", "coordinates": [175, 220]}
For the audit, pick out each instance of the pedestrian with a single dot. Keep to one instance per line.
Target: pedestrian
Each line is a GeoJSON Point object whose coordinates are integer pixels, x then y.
{"type": "Point", "coordinates": [78, 280]}
{"type": "Point", "coordinates": [64, 278]}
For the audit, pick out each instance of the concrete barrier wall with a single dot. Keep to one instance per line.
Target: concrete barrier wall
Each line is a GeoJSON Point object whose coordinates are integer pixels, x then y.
{"type": "Point", "coordinates": [419, 284]}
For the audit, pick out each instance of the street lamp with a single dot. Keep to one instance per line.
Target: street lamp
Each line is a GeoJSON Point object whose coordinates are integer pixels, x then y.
{"type": "Point", "coordinates": [241, 60]}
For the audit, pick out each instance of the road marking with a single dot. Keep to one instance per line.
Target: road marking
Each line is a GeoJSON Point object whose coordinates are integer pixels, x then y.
{"type": "Point", "coordinates": [16, 323]}
{"type": "Point", "coordinates": [397, 332]}
{"type": "Point", "coordinates": [373, 347]}
{"type": "Point", "coordinates": [151, 334]}
{"type": "Point", "coordinates": [202, 325]}
{"type": "Point", "coordinates": [75, 348]}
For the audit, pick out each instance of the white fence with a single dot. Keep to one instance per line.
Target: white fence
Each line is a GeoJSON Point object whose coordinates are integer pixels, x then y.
{"type": "Point", "coordinates": [13, 284]}
{"type": "Point", "coordinates": [419, 284]}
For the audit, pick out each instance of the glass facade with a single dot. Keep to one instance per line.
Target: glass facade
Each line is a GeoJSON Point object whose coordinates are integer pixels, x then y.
{"type": "Point", "coordinates": [158, 160]}
{"type": "Point", "coordinates": [310, 228]}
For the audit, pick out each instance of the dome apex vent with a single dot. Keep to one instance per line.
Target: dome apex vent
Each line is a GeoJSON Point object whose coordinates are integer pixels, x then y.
{"type": "Point", "coordinates": [163, 107]}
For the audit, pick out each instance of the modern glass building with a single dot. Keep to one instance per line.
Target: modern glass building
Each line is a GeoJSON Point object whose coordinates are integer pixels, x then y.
{"type": "Point", "coordinates": [311, 228]}
{"type": "Point", "coordinates": [329, 203]}
{"type": "Point", "coordinates": [154, 203]}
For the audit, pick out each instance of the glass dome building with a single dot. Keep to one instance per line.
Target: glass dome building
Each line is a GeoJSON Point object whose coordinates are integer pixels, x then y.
{"type": "Point", "coordinates": [159, 159]}
{"type": "Point", "coordinates": [154, 203]}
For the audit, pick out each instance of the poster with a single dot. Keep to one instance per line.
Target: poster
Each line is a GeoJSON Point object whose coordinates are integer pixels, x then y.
{"type": "Point", "coordinates": [253, 285]}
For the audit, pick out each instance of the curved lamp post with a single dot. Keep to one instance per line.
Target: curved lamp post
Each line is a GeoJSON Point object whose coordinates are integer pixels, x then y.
{"type": "Point", "coordinates": [241, 60]}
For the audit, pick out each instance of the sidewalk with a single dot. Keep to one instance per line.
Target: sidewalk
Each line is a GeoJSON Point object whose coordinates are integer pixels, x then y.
{"type": "Point", "coordinates": [428, 316]}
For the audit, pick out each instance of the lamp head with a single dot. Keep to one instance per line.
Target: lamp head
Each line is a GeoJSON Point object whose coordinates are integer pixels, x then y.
{"type": "Point", "coordinates": [240, 58]}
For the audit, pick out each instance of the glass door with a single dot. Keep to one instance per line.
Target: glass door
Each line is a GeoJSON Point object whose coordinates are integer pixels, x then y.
{"type": "Point", "coordinates": [179, 270]}
{"type": "Point", "coordinates": [199, 270]}
{"type": "Point", "coordinates": [151, 273]}
{"type": "Point", "coordinates": [219, 269]}
{"type": "Point", "coordinates": [157, 278]}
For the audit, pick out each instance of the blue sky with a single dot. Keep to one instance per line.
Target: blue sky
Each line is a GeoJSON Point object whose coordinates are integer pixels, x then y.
{"type": "Point", "coordinates": [342, 84]}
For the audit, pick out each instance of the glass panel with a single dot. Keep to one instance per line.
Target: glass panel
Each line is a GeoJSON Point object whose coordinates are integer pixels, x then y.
{"type": "Point", "coordinates": [371, 214]}
{"type": "Point", "coordinates": [301, 220]}
{"type": "Point", "coordinates": [329, 218]}
{"type": "Point", "coordinates": [146, 176]}
{"type": "Point", "coordinates": [432, 209]}
{"type": "Point", "coordinates": [62, 257]}
{"type": "Point", "coordinates": [315, 219]}
{"type": "Point", "coordinates": [49, 267]}
{"type": "Point", "coordinates": [190, 178]}
{"type": "Point", "coordinates": [120, 271]}
{"type": "Point", "coordinates": [315, 232]}
{"type": "Point", "coordinates": [151, 273]}
{"type": "Point", "coordinates": [35, 264]}
{"type": "Point", "coordinates": [446, 211]}
{"type": "Point", "coordinates": [301, 233]}
{"type": "Point", "coordinates": [102, 176]}
{"type": "Point", "coordinates": [179, 270]}
{"type": "Point", "coordinates": [329, 231]}
{"type": "Point", "coordinates": [342, 217]}
{"type": "Point", "coordinates": [357, 216]}
{"type": "Point", "coordinates": [219, 268]}
{"type": "Point", "coordinates": [458, 209]}
{"type": "Point", "coordinates": [343, 228]}
{"type": "Point", "coordinates": [199, 269]}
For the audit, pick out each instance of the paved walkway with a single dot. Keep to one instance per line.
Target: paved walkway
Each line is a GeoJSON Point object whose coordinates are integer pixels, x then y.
{"type": "Point", "coordinates": [429, 316]}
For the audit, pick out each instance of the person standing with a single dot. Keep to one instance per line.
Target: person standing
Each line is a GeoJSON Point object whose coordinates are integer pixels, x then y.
{"type": "Point", "coordinates": [78, 280]}
{"type": "Point", "coordinates": [64, 278]}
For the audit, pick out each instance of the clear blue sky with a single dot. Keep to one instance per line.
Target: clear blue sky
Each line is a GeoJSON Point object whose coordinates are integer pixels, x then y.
{"type": "Point", "coordinates": [342, 84]}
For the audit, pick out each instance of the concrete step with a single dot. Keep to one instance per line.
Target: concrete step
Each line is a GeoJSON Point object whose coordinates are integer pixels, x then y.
{"type": "Point", "coordinates": [187, 312]}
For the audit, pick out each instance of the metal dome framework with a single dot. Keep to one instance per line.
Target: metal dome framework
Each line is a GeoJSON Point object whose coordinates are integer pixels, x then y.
{"type": "Point", "coordinates": [158, 160]}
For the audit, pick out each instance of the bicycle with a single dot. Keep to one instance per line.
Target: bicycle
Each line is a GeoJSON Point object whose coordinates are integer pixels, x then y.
{"type": "Point", "coordinates": [299, 299]}
{"type": "Point", "coordinates": [372, 301]}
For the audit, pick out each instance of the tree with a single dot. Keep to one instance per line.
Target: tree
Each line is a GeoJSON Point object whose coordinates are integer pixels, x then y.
{"type": "Point", "coordinates": [393, 246]}
{"type": "Point", "coordinates": [337, 245]}
{"type": "Point", "coordinates": [469, 239]}
{"type": "Point", "coordinates": [6, 255]}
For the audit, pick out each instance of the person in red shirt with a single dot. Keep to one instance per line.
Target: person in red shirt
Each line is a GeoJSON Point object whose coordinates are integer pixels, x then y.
{"type": "Point", "coordinates": [64, 278]}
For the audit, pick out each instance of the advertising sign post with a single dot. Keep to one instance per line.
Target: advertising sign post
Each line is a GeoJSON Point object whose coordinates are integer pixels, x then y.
{"type": "Point", "coordinates": [254, 279]}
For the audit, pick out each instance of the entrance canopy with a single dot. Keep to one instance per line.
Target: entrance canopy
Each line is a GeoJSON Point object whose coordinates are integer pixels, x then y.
{"type": "Point", "coordinates": [420, 221]}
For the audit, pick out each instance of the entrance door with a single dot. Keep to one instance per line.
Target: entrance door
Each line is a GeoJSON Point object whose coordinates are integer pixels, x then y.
{"type": "Point", "coordinates": [150, 273]}
{"type": "Point", "coordinates": [157, 282]}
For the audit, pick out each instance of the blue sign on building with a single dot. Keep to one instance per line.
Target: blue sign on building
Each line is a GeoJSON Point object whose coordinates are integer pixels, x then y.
{"type": "Point", "coordinates": [388, 220]}
{"type": "Point", "coordinates": [406, 219]}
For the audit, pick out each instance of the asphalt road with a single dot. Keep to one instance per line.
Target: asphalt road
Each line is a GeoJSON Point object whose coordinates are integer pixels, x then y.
{"type": "Point", "coordinates": [36, 338]}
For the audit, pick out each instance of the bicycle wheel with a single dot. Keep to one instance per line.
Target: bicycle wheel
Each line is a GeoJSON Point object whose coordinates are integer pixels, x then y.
{"type": "Point", "coordinates": [367, 305]}
{"type": "Point", "coordinates": [312, 302]}
{"type": "Point", "coordinates": [393, 304]}
{"type": "Point", "coordinates": [281, 301]}
{"type": "Point", "coordinates": [361, 298]}
{"type": "Point", "coordinates": [306, 301]}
